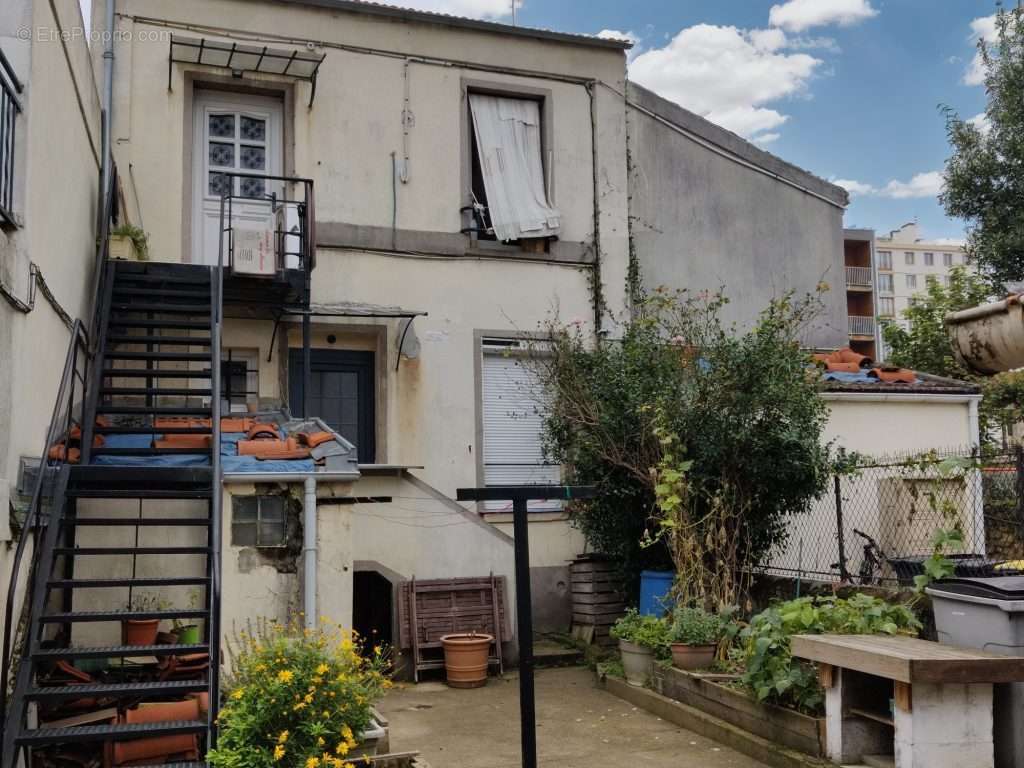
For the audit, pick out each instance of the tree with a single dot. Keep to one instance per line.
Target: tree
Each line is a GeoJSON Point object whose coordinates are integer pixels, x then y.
{"type": "Point", "coordinates": [925, 345]}
{"type": "Point", "coordinates": [984, 178]}
{"type": "Point", "coordinates": [686, 425]}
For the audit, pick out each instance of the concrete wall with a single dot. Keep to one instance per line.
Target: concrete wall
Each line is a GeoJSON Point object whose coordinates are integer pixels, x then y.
{"type": "Point", "coordinates": [56, 178]}
{"type": "Point", "coordinates": [708, 210]}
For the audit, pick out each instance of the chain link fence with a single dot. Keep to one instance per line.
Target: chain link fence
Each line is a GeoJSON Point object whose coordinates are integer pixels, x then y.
{"type": "Point", "coordinates": [877, 522]}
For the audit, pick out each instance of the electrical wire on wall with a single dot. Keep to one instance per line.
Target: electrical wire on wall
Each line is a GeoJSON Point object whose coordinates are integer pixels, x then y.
{"type": "Point", "coordinates": [36, 283]}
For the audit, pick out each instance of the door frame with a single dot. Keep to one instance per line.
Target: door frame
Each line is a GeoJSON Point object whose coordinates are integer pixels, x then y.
{"type": "Point", "coordinates": [196, 81]}
{"type": "Point", "coordinates": [364, 363]}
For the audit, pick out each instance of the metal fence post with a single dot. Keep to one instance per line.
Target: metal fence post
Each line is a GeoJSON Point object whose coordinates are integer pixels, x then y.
{"type": "Point", "coordinates": [843, 573]}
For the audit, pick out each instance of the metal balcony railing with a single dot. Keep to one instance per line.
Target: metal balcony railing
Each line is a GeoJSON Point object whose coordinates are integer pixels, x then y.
{"type": "Point", "coordinates": [10, 108]}
{"type": "Point", "coordinates": [862, 326]}
{"type": "Point", "coordinates": [859, 277]}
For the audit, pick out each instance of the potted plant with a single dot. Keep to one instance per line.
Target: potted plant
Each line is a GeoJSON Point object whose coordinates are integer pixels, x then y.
{"type": "Point", "coordinates": [188, 634]}
{"type": "Point", "coordinates": [640, 639]}
{"type": "Point", "coordinates": [694, 636]}
{"type": "Point", "coordinates": [129, 243]}
{"type": "Point", "coordinates": [465, 659]}
{"type": "Point", "coordinates": [142, 631]}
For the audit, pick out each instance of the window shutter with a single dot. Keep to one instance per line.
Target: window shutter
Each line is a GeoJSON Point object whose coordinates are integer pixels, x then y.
{"type": "Point", "coordinates": [513, 426]}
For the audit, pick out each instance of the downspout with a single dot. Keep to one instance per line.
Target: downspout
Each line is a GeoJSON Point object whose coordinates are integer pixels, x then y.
{"type": "Point", "coordinates": [309, 553]}
{"type": "Point", "coordinates": [106, 166]}
{"type": "Point", "coordinates": [598, 291]}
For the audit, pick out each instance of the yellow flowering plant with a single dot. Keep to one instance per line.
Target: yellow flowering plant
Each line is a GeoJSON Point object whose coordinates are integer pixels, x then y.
{"type": "Point", "coordinates": [297, 698]}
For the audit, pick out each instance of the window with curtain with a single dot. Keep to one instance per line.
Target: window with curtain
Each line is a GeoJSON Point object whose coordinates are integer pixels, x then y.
{"type": "Point", "coordinates": [510, 163]}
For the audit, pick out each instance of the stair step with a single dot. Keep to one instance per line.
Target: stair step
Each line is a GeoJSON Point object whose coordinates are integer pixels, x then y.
{"type": "Point", "coordinates": [166, 392]}
{"type": "Point", "coordinates": [142, 690]}
{"type": "Point", "coordinates": [153, 431]}
{"type": "Point", "coordinates": [151, 451]}
{"type": "Point", "coordinates": [140, 482]}
{"type": "Point", "coordinates": [177, 325]}
{"type": "Point", "coordinates": [155, 410]}
{"type": "Point", "coordinates": [136, 493]}
{"type": "Point", "coordinates": [131, 291]}
{"type": "Point", "coordinates": [100, 551]}
{"type": "Point", "coordinates": [163, 581]}
{"type": "Point", "coordinates": [199, 277]}
{"type": "Point", "coordinates": [175, 341]}
{"type": "Point", "coordinates": [183, 357]}
{"type": "Point", "coordinates": [157, 373]}
{"type": "Point", "coordinates": [161, 309]}
{"type": "Point", "coordinates": [74, 617]}
{"type": "Point", "coordinates": [119, 732]}
{"type": "Point", "coordinates": [117, 651]}
{"type": "Point", "coordinates": [168, 522]}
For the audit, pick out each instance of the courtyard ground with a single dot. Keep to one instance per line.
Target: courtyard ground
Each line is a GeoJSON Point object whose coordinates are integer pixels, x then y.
{"type": "Point", "coordinates": [578, 726]}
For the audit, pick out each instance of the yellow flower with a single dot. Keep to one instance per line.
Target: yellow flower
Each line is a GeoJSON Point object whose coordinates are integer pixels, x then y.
{"type": "Point", "coordinates": [278, 752]}
{"type": "Point", "coordinates": [285, 676]}
{"type": "Point", "coordinates": [236, 695]}
{"type": "Point", "coordinates": [320, 741]}
{"type": "Point", "coordinates": [313, 762]}
{"type": "Point", "coordinates": [342, 748]}
{"type": "Point", "coordinates": [283, 738]}
{"type": "Point", "coordinates": [300, 705]}
{"type": "Point", "coordinates": [346, 733]}
{"type": "Point", "coordinates": [323, 669]}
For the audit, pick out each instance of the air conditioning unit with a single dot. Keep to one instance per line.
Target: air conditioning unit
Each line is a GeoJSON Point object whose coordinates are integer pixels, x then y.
{"type": "Point", "coordinates": [254, 251]}
{"type": "Point", "coordinates": [290, 231]}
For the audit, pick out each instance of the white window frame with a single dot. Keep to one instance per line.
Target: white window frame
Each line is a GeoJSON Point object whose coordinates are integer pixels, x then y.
{"type": "Point", "coordinates": [911, 281]}
{"type": "Point", "coordinates": [887, 306]}
{"type": "Point", "coordinates": [885, 260]}
{"type": "Point", "coordinates": [908, 258]}
{"type": "Point", "coordinates": [947, 259]}
{"type": "Point", "coordinates": [885, 283]}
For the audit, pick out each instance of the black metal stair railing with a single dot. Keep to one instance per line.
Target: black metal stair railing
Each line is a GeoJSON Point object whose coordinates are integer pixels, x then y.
{"type": "Point", "coordinates": [68, 414]}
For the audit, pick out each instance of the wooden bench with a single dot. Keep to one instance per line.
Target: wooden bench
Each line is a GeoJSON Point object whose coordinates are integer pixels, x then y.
{"type": "Point", "coordinates": [906, 702]}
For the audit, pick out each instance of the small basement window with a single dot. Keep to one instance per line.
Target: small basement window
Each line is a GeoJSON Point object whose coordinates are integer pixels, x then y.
{"type": "Point", "coordinates": [240, 383]}
{"type": "Point", "coordinates": [258, 521]}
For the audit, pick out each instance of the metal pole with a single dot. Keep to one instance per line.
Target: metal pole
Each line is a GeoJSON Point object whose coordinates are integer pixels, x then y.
{"type": "Point", "coordinates": [843, 573]}
{"type": "Point", "coordinates": [524, 624]}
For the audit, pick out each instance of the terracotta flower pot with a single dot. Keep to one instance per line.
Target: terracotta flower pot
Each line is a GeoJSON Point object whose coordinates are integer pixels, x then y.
{"type": "Point", "coordinates": [465, 659]}
{"type": "Point", "coordinates": [637, 662]}
{"type": "Point", "coordinates": [693, 656]}
{"type": "Point", "coordinates": [140, 631]}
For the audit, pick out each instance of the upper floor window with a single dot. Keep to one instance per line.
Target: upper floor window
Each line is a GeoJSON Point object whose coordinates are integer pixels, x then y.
{"type": "Point", "coordinates": [10, 108]}
{"type": "Point", "coordinates": [947, 259]}
{"type": "Point", "coordinates": [929, 259]}
{"type": "Point", "coordinates": [885, 259]}
{"type": "Point", "coordinates": [240, 378]}
{"type": "Point", "coordinates": [885, 284]}
{"type": "Point", "coordinates": [911, 281]}
{"type": "Point", "coordinates": [887, 306]}
{"type": "Point", "coordinates": [908, 258]}
{"type": "Point", "coordinates": [509, 183]}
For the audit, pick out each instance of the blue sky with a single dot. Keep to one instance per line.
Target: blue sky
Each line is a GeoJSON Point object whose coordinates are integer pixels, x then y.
{"type": "Point", "coordinates": [848, 89]}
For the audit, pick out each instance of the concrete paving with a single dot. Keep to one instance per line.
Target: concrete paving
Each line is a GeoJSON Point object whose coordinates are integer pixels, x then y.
{"type": "Point", "coordinates": [578, 726]}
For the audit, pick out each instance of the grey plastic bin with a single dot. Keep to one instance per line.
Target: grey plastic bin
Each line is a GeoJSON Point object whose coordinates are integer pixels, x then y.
{"type": "Point", "coordinates": [988, 613]}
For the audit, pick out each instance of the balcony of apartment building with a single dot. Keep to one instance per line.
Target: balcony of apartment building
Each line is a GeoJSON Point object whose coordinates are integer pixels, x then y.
{"type": "Point", "coordinates": [860, 289]}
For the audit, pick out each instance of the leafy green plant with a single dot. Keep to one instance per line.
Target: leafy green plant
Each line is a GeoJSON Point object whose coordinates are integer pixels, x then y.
{"type": "Point", "coordinates": [772, 674]}
{"type": "Point", "coordinates": [147, 601]}
{"type": "Point", "coordinates": [139, 238]}
{"type": "Point", "coordinates": [649, 631]}
{"type": "Point", "coordinates": [695, 626]}
{"type": "Point", "coordinates": [938, 566]}
{"type": "Point", "coordinates": [297, 698]}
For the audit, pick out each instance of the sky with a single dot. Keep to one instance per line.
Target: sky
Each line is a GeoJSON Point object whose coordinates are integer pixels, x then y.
{"type": "Point", "coordinates": [850, 90]}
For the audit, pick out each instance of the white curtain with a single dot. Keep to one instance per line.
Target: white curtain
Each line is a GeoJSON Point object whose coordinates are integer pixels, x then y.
{"type": "Point", "coordinates": [508, 140]}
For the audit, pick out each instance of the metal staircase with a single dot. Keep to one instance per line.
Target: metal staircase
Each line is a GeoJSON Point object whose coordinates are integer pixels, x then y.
{"type": "Point", "coordinates": [155, 372]}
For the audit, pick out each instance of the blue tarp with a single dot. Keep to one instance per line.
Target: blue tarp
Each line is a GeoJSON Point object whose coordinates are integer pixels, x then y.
{"type": "Point", "coordinates": [231, 462]}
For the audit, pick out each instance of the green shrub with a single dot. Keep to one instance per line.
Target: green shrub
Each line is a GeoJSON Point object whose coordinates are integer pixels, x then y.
{"type": "Point", "coordinates": [296, 698]}
{"type": "Point", "coordinates": [139, 238]}
{"type": "Point", "coordinates": [771, 672]}
{"type": "Point", "coordinates": [695, 626]}
{"type": "Point", "coordinates": [648, 631]}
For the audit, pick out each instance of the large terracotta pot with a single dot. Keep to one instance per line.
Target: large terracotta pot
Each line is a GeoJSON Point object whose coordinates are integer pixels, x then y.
{"type": "Point", "coordinates": [637, 662]}
{"type": "Point", "coordinates": [693, 656]}
{"type": "Point", "coordinates": [140, 631]}
{"type": "Point", "coordinates": [158, 747]}
{"type": "Point", "coordinates": [465, 659]}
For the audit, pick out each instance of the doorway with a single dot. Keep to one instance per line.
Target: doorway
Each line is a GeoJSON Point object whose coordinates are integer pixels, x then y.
{"type": "Point", "coordinates": [372, 604]}
{"type": "Point", "coordinates": [233, 132]}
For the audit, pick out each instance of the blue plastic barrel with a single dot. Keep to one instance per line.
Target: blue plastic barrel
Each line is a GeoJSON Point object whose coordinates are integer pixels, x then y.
{"type": "Point", "coordinates": [654, 589]}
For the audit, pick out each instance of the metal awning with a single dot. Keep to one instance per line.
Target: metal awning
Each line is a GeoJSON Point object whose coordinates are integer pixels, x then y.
{"type": "Point", "coordinates": [238, 57]}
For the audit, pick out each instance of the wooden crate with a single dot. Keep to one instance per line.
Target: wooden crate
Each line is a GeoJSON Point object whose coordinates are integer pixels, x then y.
{"type": "Point", "coordinates": [597, 598]}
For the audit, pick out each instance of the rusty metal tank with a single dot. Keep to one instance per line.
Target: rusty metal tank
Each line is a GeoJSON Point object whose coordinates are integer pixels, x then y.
{"type": "Point", "coordinates": [989, 338]}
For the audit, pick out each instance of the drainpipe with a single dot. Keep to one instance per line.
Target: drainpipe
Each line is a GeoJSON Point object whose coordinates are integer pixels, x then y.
{"type": "Point", "coordinates": [309, 552]}
{"type": "Point", "coordinates": [106, 168]}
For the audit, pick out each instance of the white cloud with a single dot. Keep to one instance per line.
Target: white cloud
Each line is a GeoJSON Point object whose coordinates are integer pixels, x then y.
{"type": "Point", "coordinates": [86, 6]}
{"type": "Point", "coordinates": [616, 34]}
{"type": "Point", "coordinates": [981, 122]}
{"type": "Point", "coordinates": [982, 28]}
{"type": "Point", "coordinates": [921, 185]}
{"type": "Point", "coordinates": [855, 188]}
{"type": "Point", "coordinates": [767, 138]}
{"type": "Point", "coordinates": [727, 75]}
{"type": "Point", "coordinates": [798, 15]}
{"type": "Point", "coordinates": [477, 9]}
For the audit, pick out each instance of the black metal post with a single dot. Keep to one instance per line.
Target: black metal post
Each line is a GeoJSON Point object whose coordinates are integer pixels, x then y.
{"type": "Point", "coordinates": [524, 624]}
{"type": "Point", "coordinates": [844, 575]}
{"type": "Point", "coordinates": [520, 495]}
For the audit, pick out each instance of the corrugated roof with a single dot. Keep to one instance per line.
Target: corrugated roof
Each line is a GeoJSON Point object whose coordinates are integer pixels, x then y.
{"type": "Point", "coordinates": [435, 17]}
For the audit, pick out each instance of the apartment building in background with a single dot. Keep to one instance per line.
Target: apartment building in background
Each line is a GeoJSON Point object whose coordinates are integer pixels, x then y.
{"type": "Point", "coordinates": [906, 263]}
{"type": "Point", "coordinates": [861, 291]}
